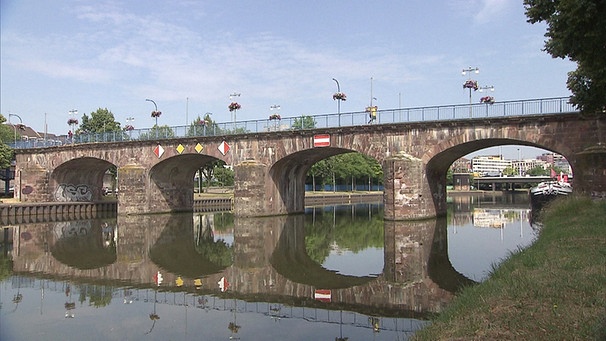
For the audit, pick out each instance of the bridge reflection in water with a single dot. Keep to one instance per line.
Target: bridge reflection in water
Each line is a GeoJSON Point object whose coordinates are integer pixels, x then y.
{"type": "Point", "coordinates": [267, 261]}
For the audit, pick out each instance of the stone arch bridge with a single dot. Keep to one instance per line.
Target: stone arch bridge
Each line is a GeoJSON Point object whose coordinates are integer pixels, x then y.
{"type": "Point", "coordinates": [270, 167]}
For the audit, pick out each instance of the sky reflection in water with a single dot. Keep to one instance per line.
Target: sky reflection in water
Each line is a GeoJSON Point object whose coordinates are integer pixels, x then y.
{"type": "Point", "coordinates": [261, 303]}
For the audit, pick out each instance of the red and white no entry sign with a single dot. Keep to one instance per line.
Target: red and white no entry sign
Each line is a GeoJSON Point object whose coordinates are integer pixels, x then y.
{"type": "Point", "coordinates": [323, 295]}
{"type": "Point", "coordinates": [322, 140]}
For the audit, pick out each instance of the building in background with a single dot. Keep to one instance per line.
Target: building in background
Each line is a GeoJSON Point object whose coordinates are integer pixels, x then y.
{"type": "Point", "coordinates": [462, 165]}
{"type": "Point", "coordinates": [555, 160]}
{"type": "Point", "coordinates": [490, 165]}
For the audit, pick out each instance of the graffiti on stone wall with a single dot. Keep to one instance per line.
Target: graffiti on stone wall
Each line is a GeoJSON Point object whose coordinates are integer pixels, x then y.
{"type": "Point", "coordinates": [72, 229]}
{"type": "Point", "coordinates": [70, 192]}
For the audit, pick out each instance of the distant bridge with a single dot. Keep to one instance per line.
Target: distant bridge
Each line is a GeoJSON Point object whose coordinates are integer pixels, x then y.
{"type": "Point", "coordinates": [156, 175]}
{"type": "Point", "coordinates": [509, 181]}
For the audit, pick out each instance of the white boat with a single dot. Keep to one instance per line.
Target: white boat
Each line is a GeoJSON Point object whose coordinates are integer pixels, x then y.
{"type": "Point", "coordinates": [548, 190]}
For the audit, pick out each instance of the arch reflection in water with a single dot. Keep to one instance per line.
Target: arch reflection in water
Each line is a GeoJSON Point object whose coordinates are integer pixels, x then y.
{"type": "Point", "coordinates": [87, 244]}
{"type": "Point", "coordinates": [268, 257]}
{"type": "Point", "coordinates": [266, 261]}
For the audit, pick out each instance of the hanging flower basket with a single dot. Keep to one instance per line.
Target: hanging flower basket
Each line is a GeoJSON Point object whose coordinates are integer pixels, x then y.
{"type": "Point", "coordinates": [275, 117]}
{"type": "Point", "coordinates": [199, 122]}
{"type": "Point", "coordinates": [234, 106]}
{"type": "Point", "coordinates": [487, 100]}
{"type": "Point", "coordinates": [156, 114]}
{"type": "Point", "coordinates": [128, 127]}
{"type": "Point", "coordinates": [72, 121]}
{"type": "Point", "coordinates": [371, 109]}
{"type": "Point", "coordinates": [471, 84]}
{"type": "Point", "coordinates": [339, 96]}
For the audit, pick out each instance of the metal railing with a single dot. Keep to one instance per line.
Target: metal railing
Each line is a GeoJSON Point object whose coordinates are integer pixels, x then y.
{"type": "Point", "coordinates": [543, 106]}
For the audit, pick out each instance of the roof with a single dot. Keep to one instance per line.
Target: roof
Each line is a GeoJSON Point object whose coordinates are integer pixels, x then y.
{"type": "Point", "coordinates": [27, 132]}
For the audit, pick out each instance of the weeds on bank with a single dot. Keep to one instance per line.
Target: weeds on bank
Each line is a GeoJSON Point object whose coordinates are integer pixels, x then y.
{"type": "Point", "coordinates": [553, 290]}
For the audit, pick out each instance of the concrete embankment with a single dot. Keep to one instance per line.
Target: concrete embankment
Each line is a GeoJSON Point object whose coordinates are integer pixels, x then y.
{"type": "Point", "coordinates": [22, 213]}
{"type": "Point", "coordinates": [14, 212]}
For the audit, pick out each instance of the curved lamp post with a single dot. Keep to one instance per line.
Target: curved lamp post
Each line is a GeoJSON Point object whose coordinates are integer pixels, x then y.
{"type": "Point", "coordinates": [155, 108]}
{"type": "Point", "coordinates": [339, 99]}
{"type": "Point", "coordinates": [14, 126]}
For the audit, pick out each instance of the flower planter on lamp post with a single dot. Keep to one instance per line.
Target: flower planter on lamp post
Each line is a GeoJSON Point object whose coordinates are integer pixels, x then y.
{"type": "Point", "coordinates": [339, 96]}
{"type": "Point", "coordinates": [234, 106]}
{"type": "Point", "coordinates": [275, 117]}
{"type": "Point", "coordinates": [470, 84]}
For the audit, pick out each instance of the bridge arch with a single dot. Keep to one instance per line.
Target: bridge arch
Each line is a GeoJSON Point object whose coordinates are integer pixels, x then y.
{"type": "Point", "coordinates": [172, 180]}
{"type": "Point", "coordinates": [79, 179]}
{"type": "Point", "coordinates": [289, 174]}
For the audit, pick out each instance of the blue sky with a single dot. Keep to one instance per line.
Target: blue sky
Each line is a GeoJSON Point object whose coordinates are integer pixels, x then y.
{"type": "Point", "coordinates": [188, 56]}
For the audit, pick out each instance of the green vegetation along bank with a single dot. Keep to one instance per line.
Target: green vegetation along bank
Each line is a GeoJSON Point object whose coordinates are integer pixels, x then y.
{"type": "Point", "coordinates": [553, 290]}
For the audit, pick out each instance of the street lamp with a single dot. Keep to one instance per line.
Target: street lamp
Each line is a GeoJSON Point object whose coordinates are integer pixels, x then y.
{"type": "Point", "coordinates": [519, 162]}
{"type": "Point", "coordinates": [339, 96]}
{"type": "Point", "coordinates": [275, 116]}
{"type": "Point", "coordinates": [156, 113]}
{"type": "Point", "coordinates": [231, 98]}
{"type": "Point", "coordinates": [486, 99]}
{"type": "Point", "coordinates": [129, 127]}
{"type": "Point", "coordinates": [72, 121]}
{"type": "Point", "coordinates": [372, 109]}
{"type": "Point", "coordinates": [14, 126]}
{"type": "Point", "coordinates": [470, 83]}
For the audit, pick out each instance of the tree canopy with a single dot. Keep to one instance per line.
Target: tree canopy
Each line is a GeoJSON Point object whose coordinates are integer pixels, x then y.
{"type": "Point", "coordinates": [203, 127]}
{"type": "Point", "coordinates": [577, 30]}
{"type": "Point", "coordinates": [100, 121]}
{"type": "Point", "coordinates": [347, 167]}
{"type": "Point", "coordinates": [304, 122]}
{"type": "Point", "coordinates": [6, 134]}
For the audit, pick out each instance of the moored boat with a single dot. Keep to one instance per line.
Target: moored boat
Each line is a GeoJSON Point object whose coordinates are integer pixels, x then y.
{"type": "Point", "coordinates": [547, 191]}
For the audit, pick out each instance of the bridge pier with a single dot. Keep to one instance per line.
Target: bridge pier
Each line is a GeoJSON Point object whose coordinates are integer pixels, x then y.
{"type": "Point", "coordinates": [32, 184]}
{"type": "Point", "coordinates": [132, 190]}
{"type": "Point", "coordinates": [590, 171]}
{"type": "Point", "coordinates": [407, 195]}
{"type": "Point", "coordinates": [256, 191]}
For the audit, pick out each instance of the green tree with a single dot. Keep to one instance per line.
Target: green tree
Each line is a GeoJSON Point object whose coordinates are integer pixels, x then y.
{"type": "Point", "coordinates": [158, 132]}
{"type": "Point", "coordinates": [348, 168]}
{"type": "Point", "coordinates": [6, 267]}
{"type": "Point", "coordinates": [203, 127]}
{"type": "Point", "coordinates": [537, 171]}
{"type": "Point", "coordinates": [6, 135]}
{"type": "Point", "coordinates": [208, 171]}
{"type": "Point", "coordinates": [224, 175]}
{"type": "Point", "coordinates": [449, 177]}
{"type": "Point", "coordinates": [100, 121]}
{"type": "Point", "coordinates": [349, 233]}
{"type": "Point", "coordinates": [305, 122]}
{"type": "Point", "coordinates": [510, 171]}
{"type": "Point", "coordinates": [218, 252]}
{"type": "Point", "coordinates": [577, 31]}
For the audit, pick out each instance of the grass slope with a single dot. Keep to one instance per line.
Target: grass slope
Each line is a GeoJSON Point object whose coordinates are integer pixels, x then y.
{"type": "Point", "coordinates": [553, 290]}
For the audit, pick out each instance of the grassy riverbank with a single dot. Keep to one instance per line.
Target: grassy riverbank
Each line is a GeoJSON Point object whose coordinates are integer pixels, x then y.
{"type": "Point", "coordinates": [553, 290]}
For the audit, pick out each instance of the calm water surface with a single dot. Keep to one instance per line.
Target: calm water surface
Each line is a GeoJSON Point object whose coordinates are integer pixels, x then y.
{"type": "Point", "coordinates": [335, 273]}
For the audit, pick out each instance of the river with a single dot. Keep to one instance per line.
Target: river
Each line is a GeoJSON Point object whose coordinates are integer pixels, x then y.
{"type": "Point", "coordinates": [337, 272]}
